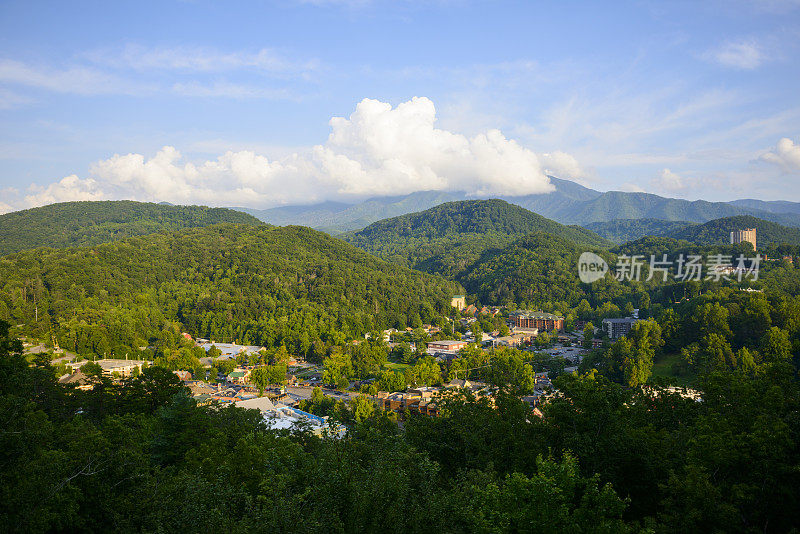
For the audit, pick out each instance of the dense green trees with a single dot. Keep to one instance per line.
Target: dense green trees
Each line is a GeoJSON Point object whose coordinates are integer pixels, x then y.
{"type": "Point", "coordinates": [252, 285]}
{"type": "Point", "coordinates": [624, 230]}
{"type": "Point", "coordinates": [451, 238]}
{"type": "Point", "coordinates": [73, 224]}
{"type": "Point", "coordinates": [139, 455]}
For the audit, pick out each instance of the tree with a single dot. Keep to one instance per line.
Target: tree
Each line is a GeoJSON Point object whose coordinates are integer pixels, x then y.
{"type": "Point", "coordinates": [264, 376]}
{"type": "Point", "coordinates": [224, 367]}
{"type": "Point", "coordinates": [588, 335]}
{"type": "Point", "coordinates": [426, 371]}
{"type": "Point", "coordinates": [338, 369]}
{"type": "Point", "coordinates": [477, 331]}
{"type": "Point", "coordinates": [389, 380]}
{"type": "Point", "coordinates": [362, 408]}
{"type": "Point", "coordinates": [775, 345]}
{"type": "Point", "coordinates": [508, 370]}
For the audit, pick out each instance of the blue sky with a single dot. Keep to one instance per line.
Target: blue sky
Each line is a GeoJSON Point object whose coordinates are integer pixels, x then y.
{"type": "Point", "coordinates": [231, 103]}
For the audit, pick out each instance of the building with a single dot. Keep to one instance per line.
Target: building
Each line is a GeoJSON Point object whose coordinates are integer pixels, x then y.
{"type": "Point", "coordinates": [183, 375]}
{"type": "Point", "coordinates": [543, 322]}
{"type": "Point", "coordinates": [470, 310]}
{"type": "Point", "coordinates": [115, 367]}
{"type": "Point", "coordinates": [514, 340]}
{"type": "Point", "coordinates": [239, 376]}
{"type": "Point", "coordinates": [447, 345]}
{"type": "Point", "coordinates": [78, 379]}
{"type": "Point", "coordinates": [746, 235]}
{"type": "Point", "coordinates": [230, 350]}
{"type": "Point", "coordinates": [420, 400]}
{"type": "Point", "coordinates": [459, 302]}
{"type": "Point", "coordinates": [616, 328]}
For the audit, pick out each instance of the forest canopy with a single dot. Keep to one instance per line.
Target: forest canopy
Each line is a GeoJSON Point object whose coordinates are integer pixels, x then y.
{"type": "Point", "coordinates": [73, 224]}
{"type": "Point", "coordinates": [232, 283]}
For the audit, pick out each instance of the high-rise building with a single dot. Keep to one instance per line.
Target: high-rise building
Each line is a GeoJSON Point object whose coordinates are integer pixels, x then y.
{"type": "Point", "coordinates": [459, 302]}
{"type": "Point", "coordinates": [747, 234]}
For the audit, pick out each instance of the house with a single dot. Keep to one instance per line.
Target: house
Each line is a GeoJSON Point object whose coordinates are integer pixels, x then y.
{"type": "Point", "coordinates": [78, 379]}
{"type": "Point", "coordinates": [183, 375]}
{"type": "Point", "coordinates": [239, 376]}
{"type": "Point", "coordinates": [470, 310]}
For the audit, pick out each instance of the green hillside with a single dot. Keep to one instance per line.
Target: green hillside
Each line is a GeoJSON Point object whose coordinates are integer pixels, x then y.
{"type": "Point", "coordinates": [457, 220]}
{"type": "Point", "coordinates": [624, 230]}
{"type": "Point", "coordinates": [535, 271]}
{"type": "Point", "coordinates": [252, 284]}
{"type": "Point", "coordinates": [717, 232]}
{"type": "Point", "coordinates": [72, 224]}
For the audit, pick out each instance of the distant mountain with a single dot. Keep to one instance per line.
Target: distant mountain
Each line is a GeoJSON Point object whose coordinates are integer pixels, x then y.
{"type": "Point", "coordinates": [624, 230]}
{"type": "Point", "coordinates": [448, 238]}
{"type": "Point", "coordinates": [569, 203]}
{"type": "Point", "coordinates": [337, 217]}
{"type": "Point", "coordinates": [717, 232]}
{"type": "Point", "coordinates": [771, 206]}
{"type": "Point", "coordinates": [71, 224]}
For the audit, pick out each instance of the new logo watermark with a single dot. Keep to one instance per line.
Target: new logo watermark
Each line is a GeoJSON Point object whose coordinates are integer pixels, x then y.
{"type": "Point", "coordinates": [716, 267]}
{"type": "Point", "coordinates": [591, 267]}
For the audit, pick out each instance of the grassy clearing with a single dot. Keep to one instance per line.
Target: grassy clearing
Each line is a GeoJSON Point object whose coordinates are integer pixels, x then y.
{"type": "Point", "coordinates": [394, 366]}
{"type": "Point", "coordinates": [664, 367]}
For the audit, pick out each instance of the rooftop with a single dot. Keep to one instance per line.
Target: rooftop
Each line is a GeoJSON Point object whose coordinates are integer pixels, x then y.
{"type": "Point", "coordinates": [539, 315]}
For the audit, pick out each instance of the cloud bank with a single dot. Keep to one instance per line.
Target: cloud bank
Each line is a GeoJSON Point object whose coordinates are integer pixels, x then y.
{"type": "Point", "coordinates": [378, 150]}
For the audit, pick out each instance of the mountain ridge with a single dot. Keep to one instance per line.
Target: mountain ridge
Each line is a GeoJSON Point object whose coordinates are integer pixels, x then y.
{"type": "Point", "coordinates": [569, 203]}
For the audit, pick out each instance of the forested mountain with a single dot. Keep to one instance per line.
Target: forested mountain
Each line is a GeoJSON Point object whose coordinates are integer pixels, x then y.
{"type": "Point", "coordinates": [73, 224]}
{"type": "Point", "coordinates": [569, 203]}
{"type": "Point", "coordinates": [772, 206]}
{"type": "Point", "coordinates": [449, 239]}
{"type": "Point", "coordinates": [624, 230]}
{"type": "Point", "coordinates": [252, 284]}
{"type": "Point", "coordinates": [718, 232]}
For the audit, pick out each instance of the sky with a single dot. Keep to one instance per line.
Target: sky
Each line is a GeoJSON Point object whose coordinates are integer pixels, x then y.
{"type": "Point", "coordinates": [266, 103]}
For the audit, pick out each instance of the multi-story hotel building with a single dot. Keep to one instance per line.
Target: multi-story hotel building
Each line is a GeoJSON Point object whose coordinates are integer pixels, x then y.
{"type": "Point", "coordinates": [744, 235]}
{"type": "Point", "coordinates": [544, 322]}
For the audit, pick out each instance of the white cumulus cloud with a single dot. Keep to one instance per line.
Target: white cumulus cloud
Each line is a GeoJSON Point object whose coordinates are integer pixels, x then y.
{"type": "Point", "coordinates": [377, 150]}
{"type": "Point", "coordinates": [786, 155]}
{"type": "Point", "coordinates": [68, 189]}
{"type": "Point", "coordinates": [669, 182]}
